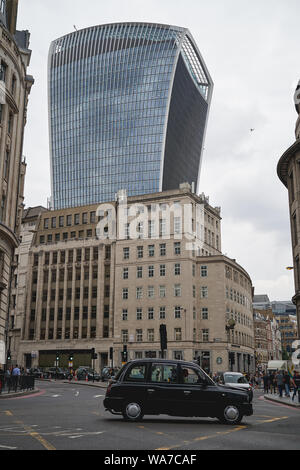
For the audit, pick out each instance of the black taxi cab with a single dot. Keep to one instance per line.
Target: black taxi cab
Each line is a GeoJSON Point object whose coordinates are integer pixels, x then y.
{"type": "Point", "coordinates": [174, 388]}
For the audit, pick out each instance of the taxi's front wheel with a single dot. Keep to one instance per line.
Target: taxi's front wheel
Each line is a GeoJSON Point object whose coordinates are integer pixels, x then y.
{"type": "Point", "coordinates": [133, 411]}
{"type": "Point", "coordinates": [231, 415]}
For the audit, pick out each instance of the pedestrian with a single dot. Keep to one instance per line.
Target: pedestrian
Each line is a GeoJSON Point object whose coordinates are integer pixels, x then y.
{"type": "Point", "coordinates": [280, 384]}
{"type": "Point", "coordinates": [266, 382]}
{"type": "Point", "coordinates": [271, 381]}
{"type": "Point", "coordinates": [15, 376]}
{"type": "Point", "coordinates": [296, 384]}
{"type": "Point", "coordinates": [287, 381]}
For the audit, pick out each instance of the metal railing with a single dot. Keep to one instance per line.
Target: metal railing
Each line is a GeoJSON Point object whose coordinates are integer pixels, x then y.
{"type": "Point", "coordinates": [17, 383]}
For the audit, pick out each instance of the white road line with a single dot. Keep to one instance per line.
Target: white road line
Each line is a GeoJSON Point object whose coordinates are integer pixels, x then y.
{"type": "Point", "coordinates": [97, 396]}
{"type": "Point", "coordinates": [8, 447]}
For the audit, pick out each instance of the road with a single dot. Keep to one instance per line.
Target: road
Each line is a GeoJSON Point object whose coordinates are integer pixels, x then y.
{"type": "Point", "coordinates": [71, 417]}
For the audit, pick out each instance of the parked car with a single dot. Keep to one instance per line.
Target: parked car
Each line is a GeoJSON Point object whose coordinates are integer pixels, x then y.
{"type": "Point", "coordinates": [175, 388]}
{"type": "Point", "coordinates": [236, 380]}
{"type": "Point", "coordinates": [108, 372]}
{"type": "Point", "coordinates": [36, 372]}
{"type": "Point", "coordinates": [55, 373]}
{"type": "Point", "coordinates": [87, 372]}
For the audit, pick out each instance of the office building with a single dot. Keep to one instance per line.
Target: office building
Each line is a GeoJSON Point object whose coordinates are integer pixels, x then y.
{"type": "Point", "coordinates": [128, 108]}
{"type": "Point", "coordinates": [86, 291]}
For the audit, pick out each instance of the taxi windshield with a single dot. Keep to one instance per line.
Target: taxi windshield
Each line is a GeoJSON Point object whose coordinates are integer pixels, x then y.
{"type": "Point", "coordinates": [235, 379]}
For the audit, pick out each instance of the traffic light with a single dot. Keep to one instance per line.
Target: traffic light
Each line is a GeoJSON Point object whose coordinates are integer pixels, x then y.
{"type": "Point", "coordinates": [93, 354]}
{"type": "Point", "coordinates": [8, 355]}
{"type": "Point", "coordinates": [57, 356]}
{"type": "Point", "coordinates": [125, 353]}
{"type": "Point", "coordinates": [163, 337]}
{"type": "Point", "coordinates": [232, 358]}
{"type": "Point", "coordinates": [111, 353]}
{"type": "Point", "coordinates": [71, 357]}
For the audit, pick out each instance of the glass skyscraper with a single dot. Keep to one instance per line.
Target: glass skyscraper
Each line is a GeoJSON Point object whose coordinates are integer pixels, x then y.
{"type": "Point", "coordinates": [128, 108]}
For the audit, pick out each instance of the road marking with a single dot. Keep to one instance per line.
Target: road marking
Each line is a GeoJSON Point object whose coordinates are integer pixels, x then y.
{"type": "Point", "coordinates": [97, 396]}
{"type": "Point", "coordinates": [203, 438]}
{"type": "Point", "coordinates": [8, 447]}
{"type": "Point", "coordinates": [272, 420]}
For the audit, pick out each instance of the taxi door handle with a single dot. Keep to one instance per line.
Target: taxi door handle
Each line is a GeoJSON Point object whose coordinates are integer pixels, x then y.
{"type": "Point", "coordinates": [150, 390]}
{"type": "Point", "coordinates": [187, 392]}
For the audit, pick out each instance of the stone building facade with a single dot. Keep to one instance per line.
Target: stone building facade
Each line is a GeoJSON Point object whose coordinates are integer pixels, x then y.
{"type": "Point", "coordinates": [288, 170]}
{"type": "Point", "coordinates": [96, 280]}
{"type": "Point", "coordinates": [15, 86]}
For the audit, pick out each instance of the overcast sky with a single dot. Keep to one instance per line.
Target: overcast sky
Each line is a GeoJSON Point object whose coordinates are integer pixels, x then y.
{"type": "Point", "coordinates": [252, 52]}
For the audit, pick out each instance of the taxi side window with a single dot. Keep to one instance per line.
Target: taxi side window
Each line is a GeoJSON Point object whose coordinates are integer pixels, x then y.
{"type": "Point", "coordinates": [191, 376]}
{"type": "Point", "coordinates": [136, 373]}
{"type": "Point", "coordinates": [164, 373]}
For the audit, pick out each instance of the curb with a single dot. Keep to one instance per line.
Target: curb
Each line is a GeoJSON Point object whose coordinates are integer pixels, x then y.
{"type": "Point", "coordinates": [18, 394]}
{"type": "Point", "coordinates": [86, 384]}
{"type": "Point", "coordinates": [278, 400]}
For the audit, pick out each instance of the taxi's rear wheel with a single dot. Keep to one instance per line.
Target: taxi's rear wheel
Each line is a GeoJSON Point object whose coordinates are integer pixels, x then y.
{"type": "Point", "coordinates": [231, 415]}
{"type": "Point", "coordinates": [133, 411]}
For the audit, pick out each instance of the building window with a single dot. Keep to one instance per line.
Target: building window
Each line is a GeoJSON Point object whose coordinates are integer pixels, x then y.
{"type": "Point", "coordinates": [139, 272]}
{"type": "Point", "coordinates": [205, 335]}
{"type": "Point", "coordinates": [150, 335]}
{"type": "Point", "coordinates": [125, 293]}
{"type": "Point", "coordinates": [162, 291]}
{"type": "Point", "coordinates": [69, 220]}
{"type": "Point", "coordinates": [151, 292]}
{"type": "Point", "coordinates": [204, 292]}
{"type": "Point", "coordinates": [162, 249]}
{"type": "Point", "coordinates": [177, 269]}
{"type": "Point", "coordinates": [124, 336]}
{"type": "Point", "coordinates": [204, 313]}
{"type": "Point", "coordinates": [203, 271]}
{"type": "Point", "coordinates": [177, 334]}
{"type": "Point", "coordinates": [177, 290]}
{"type": "Point", "coordinates": [3, 70]}
{"type": "Point", "coordinates": [162, 313]}
{"type": "Point", "coordinates": [126, 253]}
{"type": "Point", "coordinates": [151, 250]}
{"type": "Point", "coordinates": [151, 271]}
{"type": "Point", "coordinates": [177, 248]}
{"type": "Point", "coordinates": [162, 270]}
{"type": "Point", "coordinates": [125, 273]}
{"type": "Point", "coordinates": [140, 252]}
{"type": "Point", "coordinates": [124, 314]}
{"type": "Point", "coordinates": [150, 313]}
{"type": "Point", "coordinates": [177, 312]}
{"type": "Point", "coordinates": [139, 313]}
{"type": "Point", "coordinates": [139, 335]}
{"type": "Point", "coordinates": [139, 292]}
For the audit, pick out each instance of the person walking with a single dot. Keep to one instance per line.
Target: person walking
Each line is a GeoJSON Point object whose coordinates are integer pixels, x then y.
{"type": "Point", "coordinates": [266, 382]}
{"type": "Point", "coordinates": [271, 382]}
{"type": "Point", "coordinates": [296, 384]}
{"type": "Point", "coordinates": [287, 381]}
{"type": "Point", "coordinates": [15, 376]}
{"type": "Point", "coordinates": [280, 384]}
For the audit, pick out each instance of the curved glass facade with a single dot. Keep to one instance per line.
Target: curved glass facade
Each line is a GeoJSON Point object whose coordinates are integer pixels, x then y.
{"type": "Point", "coordinates": [128, 103]}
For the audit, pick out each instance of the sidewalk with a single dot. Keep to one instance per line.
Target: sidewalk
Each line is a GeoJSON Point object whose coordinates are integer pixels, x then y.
{"type": "Point", "coordinates": [90, 383]}
{"type": "Point", "coordinates": [284, 400]}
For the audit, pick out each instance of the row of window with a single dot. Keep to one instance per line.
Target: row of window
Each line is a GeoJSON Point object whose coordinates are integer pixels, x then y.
{"type": "Point", "coordinates": [70, 256]}
{"type": "Point", "coordinates": [232, 274]}
{"type": "Point", "coordinates": [140, 250]}
{"type": "Point", "coordinates": [77, 333]}
{"type": "Point", "coordinates": [178, 310]}
{"type": "Point", "coordinates": [154, 335]}
{"type": "Point", "coordinates": [69, 220]}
